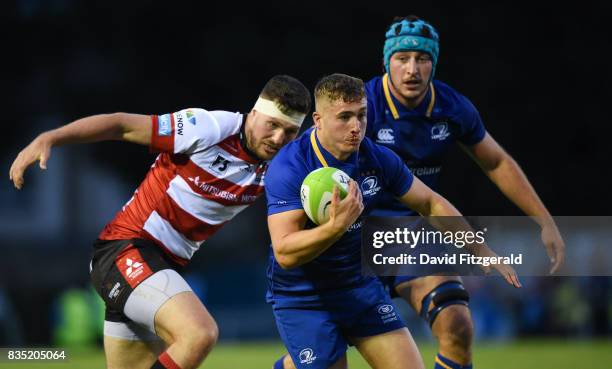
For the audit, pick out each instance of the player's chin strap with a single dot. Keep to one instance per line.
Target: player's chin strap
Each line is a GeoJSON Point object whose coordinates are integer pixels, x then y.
{"type": "Point", "coordinates": [446, 294]}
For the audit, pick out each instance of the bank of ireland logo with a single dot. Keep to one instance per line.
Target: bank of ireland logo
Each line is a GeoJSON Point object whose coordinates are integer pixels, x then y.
{"type": "Point", "coordinates": [385, 136]}
{"type": "Point", "coordinates": [385, 309]}
{"type": "Point", "coordinates": [387, 313]}
{"type": "Point", "coordinates": [307, 356]}
{"type": "Point", "coordinates": [440, 131]}
{"type": "Point", "coordinates": [369, 186]}
{"type": "Point", "coordinates": [191, 117]}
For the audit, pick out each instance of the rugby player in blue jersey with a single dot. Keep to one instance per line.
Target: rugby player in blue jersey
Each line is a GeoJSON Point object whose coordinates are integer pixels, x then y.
{"type": "Point", "coordinates": [320, 299]}
{"type": "Point", "coordinates": [420, 119]}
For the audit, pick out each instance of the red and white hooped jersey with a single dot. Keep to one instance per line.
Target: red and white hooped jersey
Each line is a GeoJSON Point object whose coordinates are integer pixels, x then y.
{"type": "Point", "coordinates": [202, 178]}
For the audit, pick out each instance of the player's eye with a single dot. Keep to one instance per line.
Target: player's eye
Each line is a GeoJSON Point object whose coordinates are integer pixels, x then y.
{"type": "Point", "coordinates": [272, 125]}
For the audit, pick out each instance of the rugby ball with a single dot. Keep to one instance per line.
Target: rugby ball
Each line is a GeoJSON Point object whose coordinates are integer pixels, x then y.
{"type": "Point", "coordinates": [317, 190]}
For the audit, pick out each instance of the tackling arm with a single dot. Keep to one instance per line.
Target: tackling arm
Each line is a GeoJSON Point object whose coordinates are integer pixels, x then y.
{"type": "Point", "coordinates": [104, 127]}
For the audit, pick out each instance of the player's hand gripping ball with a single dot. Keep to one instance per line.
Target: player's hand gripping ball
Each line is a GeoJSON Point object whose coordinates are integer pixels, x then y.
{"type": "Point", "coordinates": [317, 191]}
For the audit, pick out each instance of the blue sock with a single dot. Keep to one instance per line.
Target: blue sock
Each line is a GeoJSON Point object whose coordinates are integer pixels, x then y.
{"type": "Point", "coordinates": [445, 363]}
{"type": "Point", "coordinates": [279, 363]}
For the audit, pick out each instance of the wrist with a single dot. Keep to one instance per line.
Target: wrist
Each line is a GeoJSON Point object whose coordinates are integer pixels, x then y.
{"type": "Point", "coordinates": [544, 220]}
{"type": "Point", "coordinates": [332, 229]}
{"type": "Point", "coordinates": [48, 138]}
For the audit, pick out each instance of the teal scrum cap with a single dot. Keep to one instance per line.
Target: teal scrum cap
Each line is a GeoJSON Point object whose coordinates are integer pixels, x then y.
{"type": "Point", "coordinates": [412, 34]}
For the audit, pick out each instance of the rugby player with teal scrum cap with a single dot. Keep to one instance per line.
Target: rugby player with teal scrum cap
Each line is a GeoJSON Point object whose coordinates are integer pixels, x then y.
{"type": "Point", "coordinates": [421, 119]}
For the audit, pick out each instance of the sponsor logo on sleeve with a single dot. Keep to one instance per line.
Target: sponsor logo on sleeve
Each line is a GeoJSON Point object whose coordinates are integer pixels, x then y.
{"type": "Point", "coordinates": [179, 123]}
{"type": "Point", "coordinates": [191, 117]}
{"type": "Point", "coordinates": [164, 125]}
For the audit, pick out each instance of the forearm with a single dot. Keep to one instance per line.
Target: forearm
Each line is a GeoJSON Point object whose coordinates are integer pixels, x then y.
{"type": "Point", "coordinates": [102, 127]}
{"type": "Point", "coordinates": [512, 181]}
{"type": "Point", "coordinates": [303, 246]}
{"type": "Point", "coordinates": [446, 218]}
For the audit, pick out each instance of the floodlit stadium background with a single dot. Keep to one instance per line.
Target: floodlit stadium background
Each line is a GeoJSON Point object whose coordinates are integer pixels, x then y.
{"type": "Point", "coordinates": [538, 76]}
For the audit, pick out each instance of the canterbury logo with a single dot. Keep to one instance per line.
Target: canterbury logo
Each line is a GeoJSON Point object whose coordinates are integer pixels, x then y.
{"type": "Point", "coordinates": [385, 135]}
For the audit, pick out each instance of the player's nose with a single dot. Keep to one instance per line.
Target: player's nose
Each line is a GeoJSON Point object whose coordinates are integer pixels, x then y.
{"type": "Point", "coordinates": [279, 137]}
{"type": "Point", "coordinates": [355, 125]}
{"type": "Point", "coordinates": [411, 67]}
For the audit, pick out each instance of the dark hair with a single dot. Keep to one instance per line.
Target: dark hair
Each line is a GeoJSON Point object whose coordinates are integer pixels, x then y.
{"type": "Point", "coordinates": [290, 95]}
{"type": "Point", "coordinates": [339, 86]}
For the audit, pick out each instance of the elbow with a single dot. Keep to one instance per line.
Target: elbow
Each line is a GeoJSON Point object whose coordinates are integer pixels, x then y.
{"type": "Point", "coordinates": [285, 261]}
{"type": "Point", "coordinates": [503, 160]}
{"type": "Point", "coordinates": [117, 125]}
{"type": "Point", "coordinates": [118, 119]}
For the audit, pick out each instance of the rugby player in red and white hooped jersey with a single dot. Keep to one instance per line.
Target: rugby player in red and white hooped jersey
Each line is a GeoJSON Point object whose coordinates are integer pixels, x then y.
{"type": "Point", "coordinates": [212, 165]}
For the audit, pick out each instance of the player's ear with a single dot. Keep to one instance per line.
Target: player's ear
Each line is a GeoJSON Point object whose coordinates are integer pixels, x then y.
{"type": "Point", "coordinates": [316, 118]}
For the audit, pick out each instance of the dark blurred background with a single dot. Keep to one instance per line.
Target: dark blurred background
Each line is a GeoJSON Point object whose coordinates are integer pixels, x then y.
{"type": "Point", "coordinates": [539, 76]}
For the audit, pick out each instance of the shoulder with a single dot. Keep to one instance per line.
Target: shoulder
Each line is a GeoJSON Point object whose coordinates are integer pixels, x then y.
{"type": "Point", "coordinates": [373, 87]}
{"type": "Point", "coordinates": [451, 101]}
{"type": "Point", "coordinates": [218, 124]}
{"type": "Point", "coordinates": [292, 157]}
{"type": "Point", "coordinates": [227, 117]}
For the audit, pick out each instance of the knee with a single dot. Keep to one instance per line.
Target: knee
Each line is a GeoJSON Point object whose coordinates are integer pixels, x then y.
{"type": "Point", "coordinates": [205, 338]}
{"type": "Point", "coordinates": [200, 340]}
{"type": "Point", "coordinates": [454, 328]}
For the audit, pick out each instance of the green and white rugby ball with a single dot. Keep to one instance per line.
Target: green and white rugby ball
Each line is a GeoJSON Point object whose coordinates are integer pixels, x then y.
{"type": "Point", "coordinates": [317, 190]}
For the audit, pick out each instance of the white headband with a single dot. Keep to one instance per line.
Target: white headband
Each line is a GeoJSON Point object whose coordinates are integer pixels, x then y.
{"type": "Point", "coordinates": [268, 107]}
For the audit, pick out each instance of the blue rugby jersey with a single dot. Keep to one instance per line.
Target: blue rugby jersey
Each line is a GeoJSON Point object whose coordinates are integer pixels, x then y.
{"type": "Point", "coordinates": [420, 136]}
{"type": "Point", "coordinates": [376, 170]}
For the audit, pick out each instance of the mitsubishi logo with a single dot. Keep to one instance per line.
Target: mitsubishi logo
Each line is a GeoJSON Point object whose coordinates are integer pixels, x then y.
{"type": "Point", "coordinates": [130, 263]}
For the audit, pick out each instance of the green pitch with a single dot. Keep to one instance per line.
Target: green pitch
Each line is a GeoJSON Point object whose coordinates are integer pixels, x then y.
{"type": "Point", "coordinates": [528, 354]}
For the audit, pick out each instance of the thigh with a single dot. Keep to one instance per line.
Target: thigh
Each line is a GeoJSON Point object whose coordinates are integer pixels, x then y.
{"type": "Point", "coordinates": [312, 338]}
{"type": "Point", "coordinates": [390, 350]}
{"type": "Point", "coordinates": [131, 354]}
{"type": "Point", "coordinates": [367, 311]}
{"type": "Point", "coordinates": [183, 315]}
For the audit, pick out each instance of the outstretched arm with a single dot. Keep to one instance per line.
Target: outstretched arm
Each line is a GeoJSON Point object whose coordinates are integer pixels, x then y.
{"type": "Point", "coordinates": [428, 203]}
{"type": "Point", "coordinates": [508, 176]}
{"type": "Point", "coordinates": [104, 127]}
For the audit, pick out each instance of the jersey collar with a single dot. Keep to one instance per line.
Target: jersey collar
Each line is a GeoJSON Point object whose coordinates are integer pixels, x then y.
{"type": "Point", "coordinates": [394, 104]}
{"type": "Point", "coordinates": [324, 157]}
